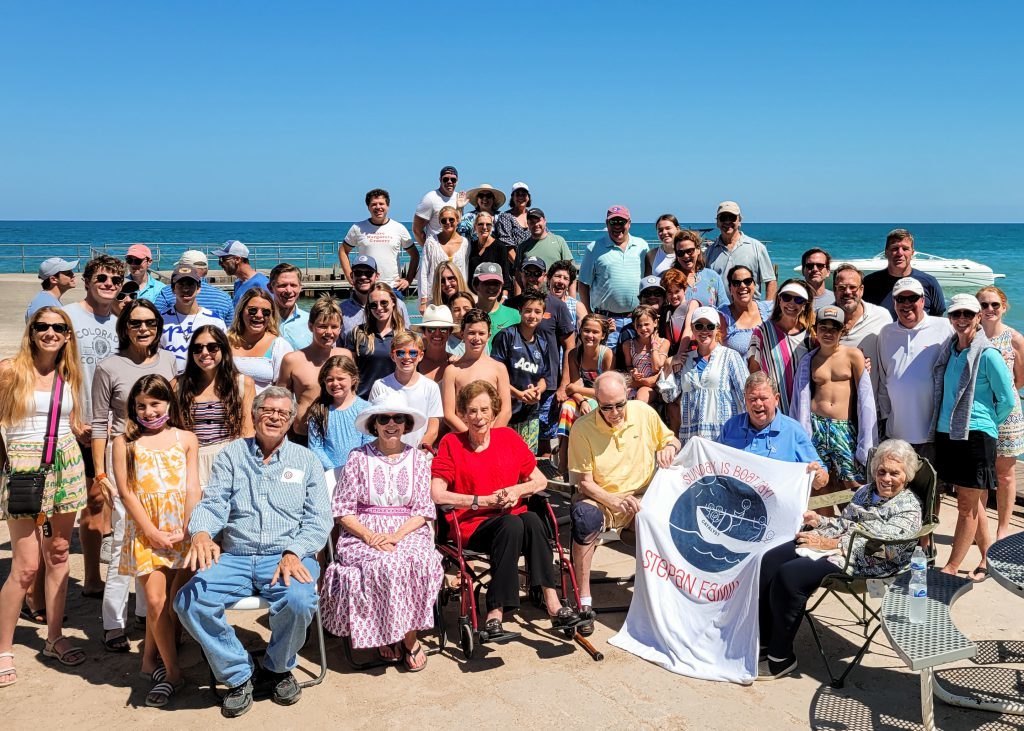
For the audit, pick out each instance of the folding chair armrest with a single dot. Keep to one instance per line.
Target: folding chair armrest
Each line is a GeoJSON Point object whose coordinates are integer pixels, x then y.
{"type": "Point", "coordinates": [817, 502]}
{"type": "Point", "coordinates": [874, 543]}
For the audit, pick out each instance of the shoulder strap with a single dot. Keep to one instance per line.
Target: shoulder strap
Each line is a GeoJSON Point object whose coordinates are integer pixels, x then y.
{"type": "Point", "coordinates": [52, 422]}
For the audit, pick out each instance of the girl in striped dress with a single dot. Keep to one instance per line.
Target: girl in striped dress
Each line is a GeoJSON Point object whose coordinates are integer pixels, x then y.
{"type": "Point", "coordinates": [645, 354]}
{"type": "Point", "coordinates": [778, 344]}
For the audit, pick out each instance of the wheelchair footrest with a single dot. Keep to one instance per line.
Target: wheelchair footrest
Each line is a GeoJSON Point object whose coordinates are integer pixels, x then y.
{"type": "Point", "coordinates": [498, 637]}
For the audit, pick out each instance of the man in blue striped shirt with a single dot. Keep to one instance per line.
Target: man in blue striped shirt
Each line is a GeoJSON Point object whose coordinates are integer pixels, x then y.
{"type": "Point", "coordinates": [267, 504]}
{"type": "Point", "coordinates": [209, 297]}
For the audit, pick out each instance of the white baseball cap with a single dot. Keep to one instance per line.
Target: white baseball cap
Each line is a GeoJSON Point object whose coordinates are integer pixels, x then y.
{"type": "Point", "coordinates": [908, 284]}
{"type": "Point", "coordinates": [232, 248]}
{"type": "Point", "coordinates": [194, 257]}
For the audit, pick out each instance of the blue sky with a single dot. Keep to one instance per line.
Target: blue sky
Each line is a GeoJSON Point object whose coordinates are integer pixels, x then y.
{"type": "Point", "coordinates": [810, 111]}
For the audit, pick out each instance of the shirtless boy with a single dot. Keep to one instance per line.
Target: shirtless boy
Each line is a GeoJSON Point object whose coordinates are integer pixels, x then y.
{"type": "Point", "coordinates": [475, 365]}
{"type": "Point", "coordinates": [300, 369]}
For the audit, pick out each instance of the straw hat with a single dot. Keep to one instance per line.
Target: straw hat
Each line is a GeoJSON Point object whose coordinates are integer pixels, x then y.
{"type": "Point", "coordinates": [435, 316]}
{"type": "Point", "coordinates": [499, 197]}
{"type": "Point", "coordinates": [392, 402]}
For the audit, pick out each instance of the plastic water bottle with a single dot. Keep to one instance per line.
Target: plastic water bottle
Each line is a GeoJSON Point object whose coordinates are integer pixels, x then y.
{"type": "Point", "coordinates": [918, 586]}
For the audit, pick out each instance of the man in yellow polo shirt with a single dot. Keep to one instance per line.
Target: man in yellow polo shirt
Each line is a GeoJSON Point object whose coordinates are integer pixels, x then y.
{"type": "Point", "coordinates": [613, 453]}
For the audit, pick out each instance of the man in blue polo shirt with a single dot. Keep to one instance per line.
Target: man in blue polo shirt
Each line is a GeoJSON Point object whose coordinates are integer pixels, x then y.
{"type": "Point", "coordinates": [611, 270]}
{"type": "Point", "coordinates": [763, 430]}
{"type": "Point", "coordinates": [233, 258]}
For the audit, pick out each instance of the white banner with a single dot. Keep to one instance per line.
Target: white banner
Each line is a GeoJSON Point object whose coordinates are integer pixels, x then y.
{"type": "Point", "coordinates": [701, 530]}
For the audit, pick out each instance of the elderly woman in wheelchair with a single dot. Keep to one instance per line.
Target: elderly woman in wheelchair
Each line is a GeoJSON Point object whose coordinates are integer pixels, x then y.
{"type": "Point", "coordinates": [883, 512]}
{"type": "Point", "coordinates": [487, 476]}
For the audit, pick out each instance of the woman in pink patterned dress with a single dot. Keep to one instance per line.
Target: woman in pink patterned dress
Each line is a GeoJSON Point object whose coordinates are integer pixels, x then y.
{"type": "Point", "coordinates": [381, 589]}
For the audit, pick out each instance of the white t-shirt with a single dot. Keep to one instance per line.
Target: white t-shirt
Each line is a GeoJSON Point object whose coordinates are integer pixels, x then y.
{"type": "Point", "coordinates": [97, 339]}
{"type": "Point", "coordinates": [430, 205]}
{"type": "Point", "coordinates": [384, 243]}
{"type": "Point", "coordinates": [178, 329]}
{"type": "Point", "coordinates": [423, 395]}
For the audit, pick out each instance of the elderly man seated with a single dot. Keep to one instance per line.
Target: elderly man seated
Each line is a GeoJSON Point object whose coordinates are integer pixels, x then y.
{"type": "Point", "coordinates": [613, 451]}
{"type": "Point", "coordinates": [266, 504]}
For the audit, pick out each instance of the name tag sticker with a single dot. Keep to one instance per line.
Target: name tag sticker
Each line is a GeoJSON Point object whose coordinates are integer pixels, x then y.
{"type": "Point", "coordinates": [292, 476]}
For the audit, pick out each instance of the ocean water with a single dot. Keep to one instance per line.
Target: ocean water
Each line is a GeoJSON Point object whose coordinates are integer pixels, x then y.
{"type": "Point", "coordinates": [26, 243]}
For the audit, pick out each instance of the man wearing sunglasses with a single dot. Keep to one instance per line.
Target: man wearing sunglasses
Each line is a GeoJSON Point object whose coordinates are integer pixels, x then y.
{"type": "Point", "coordinates": [899, 251]}
{"type": "Point", "coordinates": [96, 334]}
{"type": "Point", "coordinates": [735, 248]}
{"type": "Point", "coordinates": [613, 453]}
{"type": "Point", "coordinates": [139, 258]}
{"type": "Point", "coordinates": [382, 238]}
{"type": "Point", "coordinates": [816, 265]}
{"type": "Point", "coordinates": [233, 258]}
{"type": "Point", "coordinates": [907, 352]}
{"type": "Point", "coordinates": [56, 277]}
{"type": "Point", "coordinates": [353, 310]}
{"type": "Point", "coordinates": [425, 222]}
{"type": "Point", "coordinates": [210, 297]}
{"type": "Point", "coordinates": [864, 321]}
{"type": "Point", "coordinates": [185, 316]}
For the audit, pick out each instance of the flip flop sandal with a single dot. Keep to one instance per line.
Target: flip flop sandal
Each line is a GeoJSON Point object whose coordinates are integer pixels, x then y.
{"type": "Point", "coordinates": [982, 572]}
{"type": "Point", "coordinates": [9, 671]}
{"type": "Point", "coordinates": [50, 650]}
{"type": "Point", "coordinates": [399, 652]}
{"type": "Point", "coordinates": [410, 654]}
{"type": "Point", "coordinates": [117, 643]}
{"type": "Point", "coordinates": [565, 617]}
{"type": "Point", "coordinates": [33, 615]}
{"type": "Point", "coordinates": [160, 694]}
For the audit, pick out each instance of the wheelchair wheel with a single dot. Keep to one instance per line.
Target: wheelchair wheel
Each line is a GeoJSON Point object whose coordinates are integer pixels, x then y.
{"type": "Point", "coordinates": [466, 639]}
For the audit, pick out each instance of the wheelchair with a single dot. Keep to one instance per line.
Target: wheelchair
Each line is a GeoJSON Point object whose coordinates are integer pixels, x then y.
{"type": "Point", "coordinates": [472, 569]}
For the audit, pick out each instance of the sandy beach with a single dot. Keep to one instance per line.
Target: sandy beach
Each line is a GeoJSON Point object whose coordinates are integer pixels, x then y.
{"type": "Point", "coordinates": [540, 680]}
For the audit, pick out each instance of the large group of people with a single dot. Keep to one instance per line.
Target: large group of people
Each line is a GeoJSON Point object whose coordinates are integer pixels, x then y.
{"type": "Point", "coordinates": [190, 430]}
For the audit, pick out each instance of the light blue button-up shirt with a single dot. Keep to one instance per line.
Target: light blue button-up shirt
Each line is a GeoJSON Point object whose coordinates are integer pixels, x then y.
{"type": "Point", "coordinates": [265, 509]}
{"type": "Point", "coordinates": [295, 329]}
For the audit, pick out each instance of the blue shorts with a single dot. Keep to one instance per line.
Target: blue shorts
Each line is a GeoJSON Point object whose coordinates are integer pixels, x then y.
{"type": "Point", "coordinates": [587, 522]}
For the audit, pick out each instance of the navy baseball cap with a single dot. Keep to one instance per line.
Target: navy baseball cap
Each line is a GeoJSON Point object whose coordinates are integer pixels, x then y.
{"type": "Point", "coordinates": [535, 213]}
{"type": "Point", "coordinates": [535, 261]}
{"type": "Point", "coordinates": [365, 261]}
{"type": "Point", "coordinates": [448, 169]}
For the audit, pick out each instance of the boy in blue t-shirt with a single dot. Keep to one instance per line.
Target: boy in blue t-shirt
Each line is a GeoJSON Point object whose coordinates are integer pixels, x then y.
{"type": "Point", "coordinates": [524, 352]}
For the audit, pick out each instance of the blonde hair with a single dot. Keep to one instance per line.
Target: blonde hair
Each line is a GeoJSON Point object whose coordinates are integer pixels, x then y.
{"type": "Point", "coordinates": [405, 337]}
{"type": "Point", "coordinates": [237, 329]}
{"type": "Point", "coordinates": [435, 288]}
{"type": "Point", "coordinates": [18, 383]}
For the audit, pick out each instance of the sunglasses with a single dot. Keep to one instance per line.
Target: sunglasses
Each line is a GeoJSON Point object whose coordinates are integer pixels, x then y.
{"type": "Point", "coordinates": [991, 305]}
{"type": "Point", "coordinates": [197, 348]}
{"type": "Point", "coordinates": [448, 219]}
{"type": "Point", "coordinates": [449, 179]}
{"type": "Point", "coordinates": [384, 419]}
{"type": "Point", "coordinates": [134, 260]}
{"type": "Point", "coordinates": [485, 195]}
{"type": "Point", "coordinates": [741, 282]}
{"type": "Point", "coordinates": [704, 327]}
{"type": "Point", "coordinates": [431, 330]}
{"type": "Point", "coordinates": [58, 327]}
{"type": "Point", "coordinates": [686, 252]}
{"type": "Point", "coordinates": [727, 218]}
{"type": "Point", "coordinates": [612, 407]}
{"type": "Point", "coordinates": [116, 280]}
{"type": "Point", "coordinates": [787, 297]}
{"type": "Point", "coordinates": [136, 324]}
{"type": "Point", "coordinates": [482, 224]}
{"type": "Point", "coordinates": [906, 299]}
{"type": "Point", "coordinates": [449, 278]}
{"type": "Point", "coordinates": [617, 222]}
{"type": "Point", "coordinates": [815, 265]}
{"type": "Point", "coordinates": [961, 315]}
{"type": "Point", "coordinates": [380, 305]}
{"type": "Point", "coordinates": [363, 273]}
{"type": "Point", "coordinates": [122, 296]}
{"type": "Point", "coordinates": [253, 311]}
{"type": "Point", "coordinates": [410, 353]}
{"type": "Point", "coordinates": [68, 273]}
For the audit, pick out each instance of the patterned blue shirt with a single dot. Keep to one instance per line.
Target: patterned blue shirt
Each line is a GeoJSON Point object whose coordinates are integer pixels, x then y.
{"type": "Point", "coordinates": [265, 509]}
{"type": "Point", "coordinates": [209, 297]}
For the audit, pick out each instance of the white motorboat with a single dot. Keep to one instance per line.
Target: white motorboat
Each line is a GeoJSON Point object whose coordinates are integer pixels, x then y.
{"type": "Point", "coordinates": [953, 274]}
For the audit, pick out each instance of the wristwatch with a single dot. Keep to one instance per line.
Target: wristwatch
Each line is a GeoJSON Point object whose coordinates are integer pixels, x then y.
{"type": "Point", "coordinates": [476, 503]}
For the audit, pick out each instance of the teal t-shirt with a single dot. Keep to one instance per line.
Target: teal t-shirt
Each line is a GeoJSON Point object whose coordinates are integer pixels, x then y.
{"type": "Point", "coordinates": [993, 391]}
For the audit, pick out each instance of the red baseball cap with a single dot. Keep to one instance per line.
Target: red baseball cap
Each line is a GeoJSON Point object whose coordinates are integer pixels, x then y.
{"type": "Point", "coordinates": [618, 212]}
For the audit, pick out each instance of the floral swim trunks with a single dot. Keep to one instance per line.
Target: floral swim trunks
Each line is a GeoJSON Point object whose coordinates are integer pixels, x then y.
{"type": "Point", "coordinates": [835, 441]}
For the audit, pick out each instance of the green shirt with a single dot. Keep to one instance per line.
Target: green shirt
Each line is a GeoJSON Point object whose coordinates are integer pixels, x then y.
{"type": "Point", "coordinates": [551, 248]}
{"type": "Point", "coordinates": [500, 319]}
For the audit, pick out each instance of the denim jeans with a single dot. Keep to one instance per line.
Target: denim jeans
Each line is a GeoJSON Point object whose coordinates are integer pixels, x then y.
{"type": "Point", "coordinates": [621, 323]}
{"type": "Point", "coordinates": [201, 602]}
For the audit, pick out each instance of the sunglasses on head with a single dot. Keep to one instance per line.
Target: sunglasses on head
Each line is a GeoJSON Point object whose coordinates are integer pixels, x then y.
{"type": "Point", "coordinates": [384, 419]}
{"type": "Point", "coordinates": [253, 311]}
{"type": "Point", "coordinates": [741, 282]}
{"type": "Point", "coordinates": [787, 297]}
{"type": "Point", "coordinates": [134, 260]}
{"type": "Point", "coordinates": [136, 324]}
{"type": "Point", "coordinates": [612, 407]}
{"type": "Point", "coordinates": [991, 305]}
{"type": "Point", "coordinates": [197, 348]}
{"type": "Point", "coordinates": [115, 279]}
{"type": "Point", "coordinates": [58, 327]}
{"type": "Point", "coordinates": [410, 353]}
{"type": "Point", "coordinates": [907, 299]}
{"type": "Point", "coordinates": [961, 314]}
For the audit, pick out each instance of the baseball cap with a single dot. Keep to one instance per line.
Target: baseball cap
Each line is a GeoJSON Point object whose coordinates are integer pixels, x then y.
{"type": "Point", "coordinates": [535, 261]}
{"type": "Point", "coordinates": [908, 284]}
{"type": "Point", "coordinates": [365, 261]}
{"type": "Point", "coordinates": [617, 212]}
{"type": "Point", "coordinates": [184, 271]}
{"type": "Point", "coordinates": [651, 282]}
{"type": "Point", "coordinates": [194, 258]}
{"type": "Point", "coordinates": [964, 301]}
{"type": "Point", "coordinates": [794, 288]}
{"type": "Point", "coordinates": [448, 169]}
{"type": "Point", "coordinates": [535, 213]}
{"type": "Point", "coordinates": [140, 250]}
{"type": "Point", "coordinates": [488, 271]}
{"type": "Point", "coordinates": [56, 265]}
{"type": "Point", "coordinates": [830, 312]}
{"type": "Point", "coordinates": [232, 248]}
{"type": "Point", "coordinates": [708, 314]}
{"type": "Point", "coordinates": [520, 185]}
{"type": "Point", "coordinates": [728, 207]}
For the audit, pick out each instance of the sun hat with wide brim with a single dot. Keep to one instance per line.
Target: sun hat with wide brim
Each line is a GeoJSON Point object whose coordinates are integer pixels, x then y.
{"type": "Point", "coordinates": [499, 197]}
{"type": "Point", "coordinates": [392, 402]}
{"type": "Point", "coordinates": [435, 316]}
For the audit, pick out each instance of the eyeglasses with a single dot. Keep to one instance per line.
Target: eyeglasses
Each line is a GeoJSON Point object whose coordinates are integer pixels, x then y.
{"type": "Point", "coordinates": [787, 297]}
{"type": "Point", "coordinates": [612, 407]}
{"type": "Point", "coordinates": [380, 305]}
{"type": "Point", "coordinates": [133, 260]}
{"type": "Point", "coordinates": [961, 314]}
{"type": "Point", "coordinates": [449, 219]}
{"type": "Point", "coordinates": [617, 222]}
{"type": "Point", "coordinates": [686, 252]}
{"type": "Point", "coordinates": [906, 299]}
{"type": "Point", "coordinates": [122, 296]}
{"type": "Point", "coordinates": [197, 348]}
{"type": "Point", "coordinates": [385, 419]}
{"type": "Point", "coordinates": [481, 224]}
{"type": "Point", "coordinates": [741, 282]}
{"type": "Point", "coordinates": [449, 179]}
{"type": "Point", "coordinates": [815, 265]}
{"type": "Point", "coordinates": [704, 326]}
{"type": "Point", "coordinates": [727, 218]}
{"type": "Point", "coordinates": [410, 353]}
{"type": "Point", "coordinates": [266, 413]}
{"type": "Point", "coordinates": [116, 280]}
{"type": "Point", "coordinates": [149, 323]}
{"type": "Point", "coordinates": [253, 311]}
{"type": "Point", "coordinates": [58, 327]}
{"type": "Point", "coordinates": [991, 305]}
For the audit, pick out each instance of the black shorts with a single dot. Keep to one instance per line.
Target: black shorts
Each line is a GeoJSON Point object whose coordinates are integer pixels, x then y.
{"type": "Point", "coordinates": [90, 467]}
{"type": "Point", "coordinates": [970, 463]}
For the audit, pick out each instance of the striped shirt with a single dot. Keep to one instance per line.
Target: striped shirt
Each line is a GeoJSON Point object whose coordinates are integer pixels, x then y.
{"type": "Point", "coordinates": [262, 509]}
{"type": "Point", "coordinates": [209, 298]}
{"type": "Point", "coordinates": [208, 421]}
{"type": "Point", "coordinates": [612, 274]}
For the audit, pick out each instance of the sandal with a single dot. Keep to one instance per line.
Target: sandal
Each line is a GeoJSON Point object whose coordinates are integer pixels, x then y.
{"type": "Point", "coordinates": [414, 652]}
{"type": "Point", "coordinates": [160, 695]}
{"type": "Point", "coordinates": [564, 617]}
{"type": "Point", "coordinates": [397, 650]}
{"type": "Point", "coordinates": [117, 643]}
{"type": "Point", "coordinates": [33, 615]}
{"type": "Point", "coordinates": [11, 672]}
{"type": "Point", "coordinates": [70, 657]}
{"type": "Point", "coordinates": [159, 672]}
{"type": "Point", "coordinates": [979, 574]}
{"type": "Point", "coordinates": [493, 627]}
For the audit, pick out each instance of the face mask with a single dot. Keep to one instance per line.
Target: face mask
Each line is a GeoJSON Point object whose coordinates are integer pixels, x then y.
{"type": "Point", "coordinates": [153, 424]}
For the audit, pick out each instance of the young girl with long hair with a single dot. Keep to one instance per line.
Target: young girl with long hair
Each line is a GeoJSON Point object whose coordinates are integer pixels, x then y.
{"type": "Point", "coordinates": [587, 361]}
{"type": "Point", "coordinates": [155, 467]}
{"type": "Point", "coordinates": [645, 354]}
{"type": "Point", "coordinates": [332, 417]}
{"type": "Point", "coordinates": [370, 342]}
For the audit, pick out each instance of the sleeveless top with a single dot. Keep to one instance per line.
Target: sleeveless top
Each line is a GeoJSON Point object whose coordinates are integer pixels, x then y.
{"type": "Point", "coordinates": [208, 419]}
{"type": "Point", "coordinates": [662, 262]}
{"type": "Point", "coordinates": [33, 427]}
{"type": "Point", "coordinates": [643, 360]}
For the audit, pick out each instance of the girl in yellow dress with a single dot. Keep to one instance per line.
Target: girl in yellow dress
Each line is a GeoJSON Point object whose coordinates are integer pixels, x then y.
{"type": "Point", "coordinates": [157, 474]}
